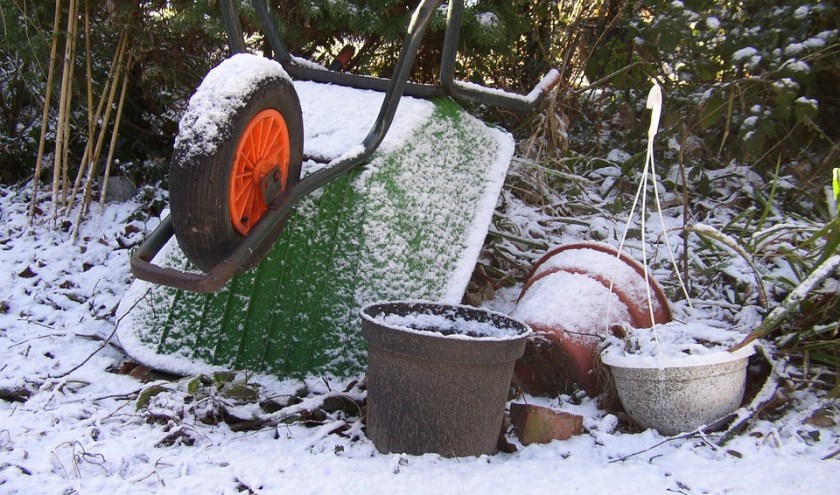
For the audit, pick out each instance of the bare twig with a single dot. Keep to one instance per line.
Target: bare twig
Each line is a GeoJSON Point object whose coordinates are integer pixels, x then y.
{"type": "Point", "coordinates": [684, 205]}
{"type": "Point", "coordinates": [104, 342]}
{"type": "Point", "coordinates": [729, 107]}
{"type": "Point", "coordinates": [690, 434]}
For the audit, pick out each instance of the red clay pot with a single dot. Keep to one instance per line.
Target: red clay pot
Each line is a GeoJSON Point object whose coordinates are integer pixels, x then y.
{"type": "Point", "coordinates": [565, 301]}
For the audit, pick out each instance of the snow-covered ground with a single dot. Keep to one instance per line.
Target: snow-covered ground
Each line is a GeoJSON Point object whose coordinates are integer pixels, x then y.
{"type": "Point", "coordinates": [77, 415]}
{"type": "Point", "coordinates": [70, 422]}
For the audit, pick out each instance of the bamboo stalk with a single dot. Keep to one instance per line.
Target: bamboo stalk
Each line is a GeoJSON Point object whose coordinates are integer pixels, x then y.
{"type": "Point", "coordinates": [45, 116]}
{"type": "Point", "coordinates": [87, 160]}
{"type": "Point", "coordinates": [65, 169]}
{"type": "Point", "coordinates": [68, 205]}
{"type": "Point", "coordinates": [115, 132]}
{"type": "Point", "coordinates": [108, 105]}
{"type": "Point", "coordinates": [62, 111]}
{"type": "Point", "coordinates": [91, 171]}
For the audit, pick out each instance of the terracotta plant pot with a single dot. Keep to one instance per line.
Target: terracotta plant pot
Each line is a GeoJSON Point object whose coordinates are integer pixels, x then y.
{"type": "Point", "coordinates": [438, 376]}
{"type": "Point", "coordinates": [565, 301]}
{"type": "Point", "coordinates": [679, 394]}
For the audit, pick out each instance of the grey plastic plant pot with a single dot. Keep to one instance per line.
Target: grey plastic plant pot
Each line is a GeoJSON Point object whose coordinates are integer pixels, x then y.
{"type": "Point", "coordinates": [438, 376]}
{"type": "Point", "coordinates": [681, 394]}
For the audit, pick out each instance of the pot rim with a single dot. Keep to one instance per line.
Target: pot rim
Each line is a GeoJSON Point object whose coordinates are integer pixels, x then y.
{"type": "Point", "coordinates": [608, 249]}
{"type": "Point", "coordinates": [663, 362]}
{"type": "Point", "coordinates": [376, 319]}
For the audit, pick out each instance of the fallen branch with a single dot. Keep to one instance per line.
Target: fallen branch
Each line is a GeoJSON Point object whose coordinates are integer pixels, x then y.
{"type": "Point", "coordinates": [681, 436]}
{"type": "Point", "coordinates": [15, 394]}
{"type": "Point", "coordinates": [831, 455]}
{"type": "Point", "coordinates": [18, 466]}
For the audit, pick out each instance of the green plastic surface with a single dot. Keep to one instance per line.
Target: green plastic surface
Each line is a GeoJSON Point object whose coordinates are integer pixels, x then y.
{"type": "Point", "coordinates": [398, 227]}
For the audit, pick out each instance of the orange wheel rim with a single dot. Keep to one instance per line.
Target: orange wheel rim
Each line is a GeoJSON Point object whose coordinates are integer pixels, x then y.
{"type": "Point", "coordinates": [262, 154]}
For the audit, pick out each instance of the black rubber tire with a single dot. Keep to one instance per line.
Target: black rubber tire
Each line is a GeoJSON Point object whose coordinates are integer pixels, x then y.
{"type": "Point", "coordinates": [199, 182]}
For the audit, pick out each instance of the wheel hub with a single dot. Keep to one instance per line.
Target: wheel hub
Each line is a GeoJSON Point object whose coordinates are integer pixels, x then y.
{"type": "Point", "coordinates": [260, 169]}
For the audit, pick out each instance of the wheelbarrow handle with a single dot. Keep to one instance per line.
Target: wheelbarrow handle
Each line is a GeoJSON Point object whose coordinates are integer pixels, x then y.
{"type": "Point", "coordinates": [262, 234]}
{"type": "Point", "coordinates": [143, 268]}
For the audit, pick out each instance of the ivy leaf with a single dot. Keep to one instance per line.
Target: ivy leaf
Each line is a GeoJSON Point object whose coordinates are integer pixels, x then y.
{"type": "Point", "coordinates": [222, 377]}
{"type": "Point", "coordinates": [241, 392]}
{"type": "Point", "coordinates": [146, 395]}
{"type": "Point", "coordinates": [754, 143]}
{"type": "Point", "coordinates": [711, 110]}
{"type": "Point", "coordinates": [196, 383]}
{"type": "Point", "coordinates": [804, 109]}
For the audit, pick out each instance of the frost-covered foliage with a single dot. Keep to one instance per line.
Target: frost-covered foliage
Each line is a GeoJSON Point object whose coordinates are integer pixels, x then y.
{"type": "Point", "coordinates": [497, 37]}
{"type": "Point", "coordinates": [747, 143]}
{"type": "Point", "coordinates": [753, 80]}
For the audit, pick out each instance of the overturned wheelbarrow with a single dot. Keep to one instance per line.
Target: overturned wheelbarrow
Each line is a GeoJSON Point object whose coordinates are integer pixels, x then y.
{"type": "Point", "coordinates": [236, 171]}
{"type": "Point", "coordinates": [573, 298]}
{"type": "Point", "coordinates": [366, 211]}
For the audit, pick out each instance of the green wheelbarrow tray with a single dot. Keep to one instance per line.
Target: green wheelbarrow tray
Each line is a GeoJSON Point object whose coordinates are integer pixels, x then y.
{"type": "Point", "coordinates": [407, 224]}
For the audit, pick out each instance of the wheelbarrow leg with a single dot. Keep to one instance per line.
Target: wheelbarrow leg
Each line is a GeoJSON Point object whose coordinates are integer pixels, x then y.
{"type": "Point", "coordinates": [233, 27]}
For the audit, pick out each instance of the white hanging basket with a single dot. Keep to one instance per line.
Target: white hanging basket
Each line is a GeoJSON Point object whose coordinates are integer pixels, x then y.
{"type": "Point", "coordinates": [679, 394]}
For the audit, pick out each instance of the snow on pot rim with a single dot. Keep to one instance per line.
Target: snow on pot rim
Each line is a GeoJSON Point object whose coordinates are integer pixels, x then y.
{"type": "Point", "coordinates": [681, 344]}
{"type": "Point", "coordinates": [440, 320]}
{"type": "Point", "coordinates": [616, 270]}
{"type": "Point", "coordinates": [661, 362]}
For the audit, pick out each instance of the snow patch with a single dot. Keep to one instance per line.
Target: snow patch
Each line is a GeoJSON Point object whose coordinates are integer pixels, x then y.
{"type": "Point", "coordinates": [743, 54]}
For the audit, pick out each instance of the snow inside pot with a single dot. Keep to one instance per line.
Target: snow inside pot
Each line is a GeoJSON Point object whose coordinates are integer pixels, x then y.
{"type": "Point", "coordinates": [438, 376]}
{"type": "Point", "coordinates": [566, 300]}
{"type": "Point", "coordinates": [686, 380]}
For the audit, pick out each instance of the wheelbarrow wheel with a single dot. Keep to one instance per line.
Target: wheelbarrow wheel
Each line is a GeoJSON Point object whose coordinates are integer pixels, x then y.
{"type": "Point", "coordinates": [216, 197]}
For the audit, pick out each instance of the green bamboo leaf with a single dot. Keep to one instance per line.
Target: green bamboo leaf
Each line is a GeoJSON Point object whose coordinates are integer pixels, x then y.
{"type": "Point", "coordinates": [792, 302]}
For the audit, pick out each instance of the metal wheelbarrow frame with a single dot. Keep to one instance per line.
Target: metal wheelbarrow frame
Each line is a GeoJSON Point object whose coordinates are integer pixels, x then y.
{"type": "Point", "coordinates": [266, 230]}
